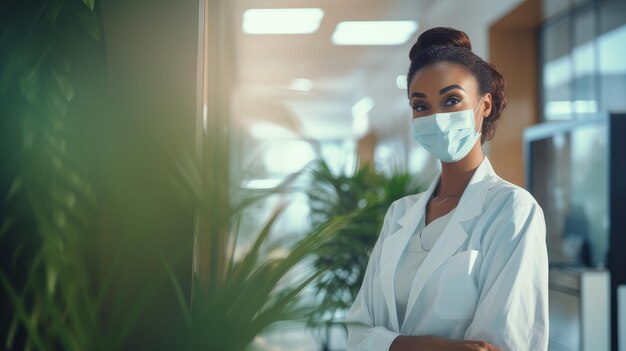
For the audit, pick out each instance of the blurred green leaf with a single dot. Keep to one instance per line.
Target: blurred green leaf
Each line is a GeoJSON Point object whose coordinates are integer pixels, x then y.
{"type": "Point", "coordinates": [16, 186]}
{"type": "Point", "coordinates": [89, 4]}
{"type": "Point", "coordinates": [64, 85]}
{"type": "Point", "coordinates": [21, 314]}
{"type": "Point", "coordinates": [89, 19]}
{"type": "Point", "coordinates": [55, 8]}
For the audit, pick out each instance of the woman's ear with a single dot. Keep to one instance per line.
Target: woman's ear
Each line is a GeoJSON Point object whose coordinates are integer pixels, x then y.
{"type": "Point", "coordinates": [486, 108]}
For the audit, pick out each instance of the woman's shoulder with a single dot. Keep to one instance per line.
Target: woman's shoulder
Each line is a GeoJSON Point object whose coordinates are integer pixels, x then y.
{"type": "Point", "coordinates": [510, 214]}
{"type": "Point", "coordinates": [504, 194]}
{"type": "Point", "coordinates": [399, 207]}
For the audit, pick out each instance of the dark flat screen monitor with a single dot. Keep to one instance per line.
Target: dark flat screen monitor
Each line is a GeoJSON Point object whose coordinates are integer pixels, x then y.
{"type": "Point", "coordinates": [567, 172]}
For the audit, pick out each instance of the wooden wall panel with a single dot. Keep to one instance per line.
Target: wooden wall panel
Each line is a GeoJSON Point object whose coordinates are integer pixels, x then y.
{"type": "Point", "coordinates": [513, 49]}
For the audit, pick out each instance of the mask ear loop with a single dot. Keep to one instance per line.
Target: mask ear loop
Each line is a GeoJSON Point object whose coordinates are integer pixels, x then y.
{"type": "Point", "coordinates": [480, 129]}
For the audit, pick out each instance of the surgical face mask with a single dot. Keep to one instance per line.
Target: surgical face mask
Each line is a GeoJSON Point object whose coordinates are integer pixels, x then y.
{"type": "Point", "coordinates": [449, 136]}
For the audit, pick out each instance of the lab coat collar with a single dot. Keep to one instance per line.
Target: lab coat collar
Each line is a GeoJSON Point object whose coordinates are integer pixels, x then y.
{"type": "Point", "coordinates": [470, 205]}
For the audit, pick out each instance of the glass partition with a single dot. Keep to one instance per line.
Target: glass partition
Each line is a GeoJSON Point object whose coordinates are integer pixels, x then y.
{"type": "Point", "coordinates": [583, 44]}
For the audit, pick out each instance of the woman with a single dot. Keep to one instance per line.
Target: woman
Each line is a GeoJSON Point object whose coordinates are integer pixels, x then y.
{"type": "Point", "coordinates": [462, 266]}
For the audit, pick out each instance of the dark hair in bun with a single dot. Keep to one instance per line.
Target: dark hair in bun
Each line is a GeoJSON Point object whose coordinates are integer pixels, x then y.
{"type": "Point", "coordinates": [442, 44]}
{"type": "Point", "coordinates": [440, 36]}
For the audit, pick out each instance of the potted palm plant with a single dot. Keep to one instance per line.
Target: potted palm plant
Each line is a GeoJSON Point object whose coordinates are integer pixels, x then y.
{"type": "Point", "coordinates": [245, 295]}
{"type": "Point", "coordinates": [343, 259]}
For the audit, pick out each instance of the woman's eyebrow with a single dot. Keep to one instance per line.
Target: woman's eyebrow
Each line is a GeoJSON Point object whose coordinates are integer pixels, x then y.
{"type": "Point", "coordinates": [450, 87]}
{"type": "Point", "coordinates": [441, 92]}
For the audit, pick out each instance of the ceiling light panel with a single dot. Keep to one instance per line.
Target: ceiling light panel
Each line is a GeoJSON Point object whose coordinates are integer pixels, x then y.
{"type": "Point", "coordinates": [301, 84]}
{"type": "Point", "coordinates": [401, 81]}
{"type": "Point", "coordinates": [374, 32]}
{"type": "Point", "coordinates": [282, 21]}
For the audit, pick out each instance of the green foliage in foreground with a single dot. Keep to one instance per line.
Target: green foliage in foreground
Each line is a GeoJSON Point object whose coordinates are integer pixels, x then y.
{"type": "Point", "coordinates": [51, 205]}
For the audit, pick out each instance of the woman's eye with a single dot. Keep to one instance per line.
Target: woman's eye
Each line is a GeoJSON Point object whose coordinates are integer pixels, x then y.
{"type": "Point", "coordinates": [452, 101]}
{"type": "Point", "coordinates": [419, 107]}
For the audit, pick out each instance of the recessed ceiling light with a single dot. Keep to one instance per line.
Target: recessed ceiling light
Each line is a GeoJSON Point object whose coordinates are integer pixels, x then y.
{"type": "Point", "coordinates": [360, 118]}
{"type": "Point", "coordinates": [301, 84]}
{"type": "Point", "coordinates": [362, 107]}
{"type": "Point", "coordinates": [374, 32]}
{"type": "Point", "coordinates": [401, 81]}
{"type": "Point", "coordinates": [266, 130]}
{"type": "Point", "coordinates": [282, 21]}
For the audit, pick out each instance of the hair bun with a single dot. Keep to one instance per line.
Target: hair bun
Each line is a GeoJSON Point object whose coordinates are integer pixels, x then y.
{"type": "Point", "coordinates": [440, 36]}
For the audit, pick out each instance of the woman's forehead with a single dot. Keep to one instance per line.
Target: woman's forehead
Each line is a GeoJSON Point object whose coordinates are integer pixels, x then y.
{"type": "Point", "coordinates": [435, 77]}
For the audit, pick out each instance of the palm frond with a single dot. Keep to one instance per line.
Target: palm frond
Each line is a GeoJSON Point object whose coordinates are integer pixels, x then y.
{"type": "Point", "coordinates": [256, 296]}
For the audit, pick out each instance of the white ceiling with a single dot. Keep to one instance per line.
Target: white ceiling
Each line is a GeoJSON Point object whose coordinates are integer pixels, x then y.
{"type": "Point", "coordinates": [342, 75]}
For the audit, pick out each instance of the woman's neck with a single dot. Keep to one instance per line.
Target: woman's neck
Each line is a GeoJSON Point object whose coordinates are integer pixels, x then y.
{"type": "Point", "coordinates": [455, 176]}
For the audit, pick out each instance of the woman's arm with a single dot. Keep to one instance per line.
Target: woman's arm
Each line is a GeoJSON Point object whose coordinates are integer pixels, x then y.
{"type": "Point", "coordinates": [512, 311]}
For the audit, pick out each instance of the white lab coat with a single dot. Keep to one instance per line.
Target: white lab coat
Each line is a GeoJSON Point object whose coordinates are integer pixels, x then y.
{"type": "Point", "coordinates": [485, 279]}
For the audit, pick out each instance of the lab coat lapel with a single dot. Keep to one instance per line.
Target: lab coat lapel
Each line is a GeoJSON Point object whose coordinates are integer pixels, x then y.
{"type": "Point", "coordinates": [453, 236]}
{"type": "Point", "coordinates": [393, 247]}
